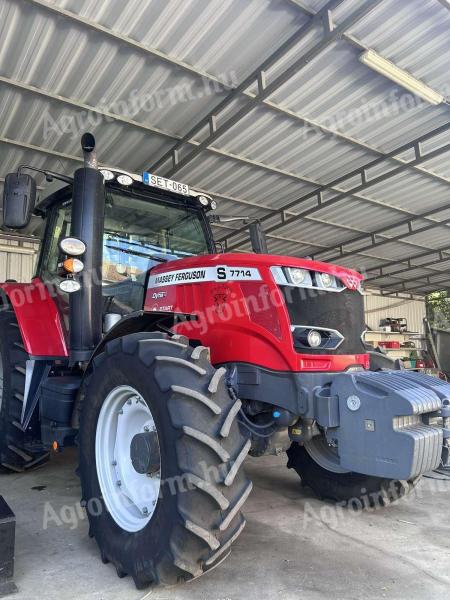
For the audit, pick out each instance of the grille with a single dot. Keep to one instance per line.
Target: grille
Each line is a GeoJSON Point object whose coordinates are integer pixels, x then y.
{"type": "Point", "coordinates": [341, 311]}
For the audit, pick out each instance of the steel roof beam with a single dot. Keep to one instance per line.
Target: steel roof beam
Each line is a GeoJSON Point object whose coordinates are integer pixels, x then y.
{"type": "Point", "coordinates": [173, 137]}
{"type": "Point", "coordinates": [273, 210]}
{"type": "Point", "coordinates": [365, 182]}
{"type": "Point", "coordinates": [34, 148]}
{"type": "Point", "coordinates": [297, 241]}
{"type": "Point", "coordinates": [404, 295]}
{"type": "Point", "coordinates": [401, 295]}
{"type": "Point", "coordinates": [409, 222]}
{"type": "Point", "coordinates": [423, 281]}
{"type": "Point", "coordinates": [409, 266]}
{"type": "Point", "coordinates": [60, 155]}
{"type": "Point", "coordinates": [395, 239]}
{"type": "Point", "coordinates": [435, 273]}
{"type": "Point", "coordinates": [326, 40]}
{"type": "Point", "coordinates": [406, 288]}
{"type": "Point", "coordinates": [298, 4]}
{"type": "Point", "coordinates": [86, 107]}
{"type": "Point", "coordinates": [122, 39]}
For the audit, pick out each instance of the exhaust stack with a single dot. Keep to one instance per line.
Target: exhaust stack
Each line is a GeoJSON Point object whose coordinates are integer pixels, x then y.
{"type": "Point", "coordinates": [88, 205]}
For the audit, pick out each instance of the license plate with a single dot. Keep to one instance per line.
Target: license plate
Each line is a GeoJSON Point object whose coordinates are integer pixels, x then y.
{"type": "Point", "coordinates": [165, 184]}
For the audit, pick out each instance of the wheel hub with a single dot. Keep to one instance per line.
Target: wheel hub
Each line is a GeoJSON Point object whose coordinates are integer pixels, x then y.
{"type": "Point", "coordinates": [128, 458]}
{"type": "Point", "coordinates": [144, 453]}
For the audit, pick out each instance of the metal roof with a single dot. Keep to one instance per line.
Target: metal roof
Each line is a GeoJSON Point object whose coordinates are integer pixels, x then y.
{"type": "Point", "coordinates": [263, 104]}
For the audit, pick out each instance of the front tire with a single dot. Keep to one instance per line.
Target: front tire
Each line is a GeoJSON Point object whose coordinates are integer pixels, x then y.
{"type": "Point", "coordinates": [196, 517]}
{"type": "Point", "coordinates": [354, 490]}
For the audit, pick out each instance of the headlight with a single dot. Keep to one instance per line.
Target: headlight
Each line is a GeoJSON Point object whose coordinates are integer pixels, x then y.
{"type": "Point", "coordinates": [73, 265]}
{"type": "Point", "coordinates": [299, 276]}
{"type": "Point", "coordinates": [314, 338]}
{"type": "Point", "coordinates": [69, 285]}
{"type": "Point", "coordinates": [203, 200]}
{"type": "Point", "coordinates": [213, 205]}
{"type": "Point", "coordinates": [72, 246]}
{"type": "Point", "coordinates": [327, 280]}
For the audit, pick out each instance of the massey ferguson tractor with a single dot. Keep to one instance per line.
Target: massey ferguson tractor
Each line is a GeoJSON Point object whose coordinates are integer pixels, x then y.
{"type": "Point", "coordinates": [167, 362]}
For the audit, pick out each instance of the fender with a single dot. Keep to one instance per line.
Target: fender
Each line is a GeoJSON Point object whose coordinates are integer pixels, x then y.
{"type": "Point", "coordinates": [38, 318]}
{"type": "Point", "coordinates": [138, 321]}
{"type": "Point", "coordinates": [135, 322]}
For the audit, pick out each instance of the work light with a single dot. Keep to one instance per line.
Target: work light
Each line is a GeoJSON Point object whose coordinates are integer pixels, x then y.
{"type": "Point", "coordinates": [72, 246]}
{"type": "Point", "coordinates": [107, 175]}
{"type": "Point", "coordinates": [69, 285]}
{"type": "Point", "coordinates": [125, 179]}
{"type": "Point", "coordinates": [73, 265]}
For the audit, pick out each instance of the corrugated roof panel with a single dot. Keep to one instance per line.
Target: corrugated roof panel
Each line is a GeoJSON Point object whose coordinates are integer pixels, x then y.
{"type": "Point", "coordinates": [209, 35]}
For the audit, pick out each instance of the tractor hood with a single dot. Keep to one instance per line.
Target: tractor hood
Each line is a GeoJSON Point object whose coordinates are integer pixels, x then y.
{"type": "Point", "coordinates": [258, 308]}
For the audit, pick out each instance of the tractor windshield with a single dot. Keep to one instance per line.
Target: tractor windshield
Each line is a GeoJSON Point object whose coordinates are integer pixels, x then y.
{"type": "Point", "coordinates": [138, 234]}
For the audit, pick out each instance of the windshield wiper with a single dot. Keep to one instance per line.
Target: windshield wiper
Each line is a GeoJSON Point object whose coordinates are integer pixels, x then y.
{"type": "Point", "coordinates": [135, 253]}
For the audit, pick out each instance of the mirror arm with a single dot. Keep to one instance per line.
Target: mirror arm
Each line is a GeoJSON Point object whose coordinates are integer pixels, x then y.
{"type": "Point", "coordinates": [50, 175]}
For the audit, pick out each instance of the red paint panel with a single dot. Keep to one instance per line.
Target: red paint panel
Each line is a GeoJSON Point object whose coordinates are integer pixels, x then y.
{"type": "Point", "coordinates": [244, 321]}
{"type": "Point", "coordinates": [38, 318]}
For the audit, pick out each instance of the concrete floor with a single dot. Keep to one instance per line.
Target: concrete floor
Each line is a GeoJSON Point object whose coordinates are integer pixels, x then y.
{"type": "Point", "coordinates": [294, 546]}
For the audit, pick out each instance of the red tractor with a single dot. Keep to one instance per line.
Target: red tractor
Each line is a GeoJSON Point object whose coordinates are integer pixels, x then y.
{"type": "Point", "coordinates": [167, 363]}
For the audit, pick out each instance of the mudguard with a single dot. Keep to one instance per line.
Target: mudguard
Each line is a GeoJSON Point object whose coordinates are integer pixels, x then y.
{"type": "Point", "coordinates": [38, 318]}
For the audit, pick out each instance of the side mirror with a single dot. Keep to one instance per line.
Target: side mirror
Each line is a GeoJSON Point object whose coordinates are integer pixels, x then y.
{"type": "Point", "coordinates": [19, 197]}
{"type": "Point", "coordinates": [258, 238]}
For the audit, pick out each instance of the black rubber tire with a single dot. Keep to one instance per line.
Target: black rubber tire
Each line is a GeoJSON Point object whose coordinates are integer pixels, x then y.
{"type": "Point", "coordinates": [19, 451]}
{"type": "Point", "coordinates": [192, 529]}
{"type": "Point", "coordinates": [347, 489]}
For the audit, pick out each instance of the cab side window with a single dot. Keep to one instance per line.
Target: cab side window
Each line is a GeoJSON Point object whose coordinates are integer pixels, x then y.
{"type": "Point", "coordinates": [60, 229]}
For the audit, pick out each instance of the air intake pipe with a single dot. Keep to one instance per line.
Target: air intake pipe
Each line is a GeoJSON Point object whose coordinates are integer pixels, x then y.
{"type": "Point", "coordinates": [88, 205]}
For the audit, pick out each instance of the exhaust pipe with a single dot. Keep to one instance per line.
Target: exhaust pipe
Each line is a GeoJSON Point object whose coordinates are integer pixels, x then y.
{"type": "Point", "coordinates": [88, 204]}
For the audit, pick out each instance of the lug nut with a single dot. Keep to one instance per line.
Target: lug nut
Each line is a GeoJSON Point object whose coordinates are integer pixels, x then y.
{"type": "Point", "coordinates": [145, 510]}
{"type": "Point", "coordinates": [146, 428]}
{"type": "Point", "coordinates": [119, 483]}
{"type": "Point", "coordinates": [114, 463]}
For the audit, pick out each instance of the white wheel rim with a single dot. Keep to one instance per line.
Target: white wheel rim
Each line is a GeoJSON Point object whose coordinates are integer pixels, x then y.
{"type": "Point", "coordinates": [129, 496]}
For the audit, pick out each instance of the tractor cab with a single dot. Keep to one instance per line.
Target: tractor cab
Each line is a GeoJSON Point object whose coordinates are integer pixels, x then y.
{"type": "Point", "coordinates": [145, 223]}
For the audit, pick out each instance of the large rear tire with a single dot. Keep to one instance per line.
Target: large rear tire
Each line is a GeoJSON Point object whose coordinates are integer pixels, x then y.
{"type": "Point", "coordinates": [348, 489]}
{"type": "Point", "coordinates": [19, 450]}
{"type": "Point", "coordinates": [191, 526]}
